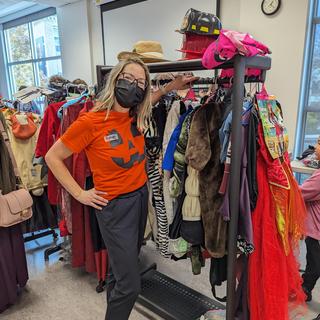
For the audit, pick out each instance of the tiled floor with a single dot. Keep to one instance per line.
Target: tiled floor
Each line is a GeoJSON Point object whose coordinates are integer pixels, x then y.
{"type": "Point", "coordinates": [56, 291]}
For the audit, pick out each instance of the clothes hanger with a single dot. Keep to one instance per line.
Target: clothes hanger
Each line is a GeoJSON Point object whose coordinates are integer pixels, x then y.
{"type": "Point", "coordinates": [81, 99]}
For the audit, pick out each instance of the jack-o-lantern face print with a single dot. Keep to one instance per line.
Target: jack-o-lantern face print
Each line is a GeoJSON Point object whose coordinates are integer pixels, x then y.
{"type": "Point", "coordinates": [125, 144]}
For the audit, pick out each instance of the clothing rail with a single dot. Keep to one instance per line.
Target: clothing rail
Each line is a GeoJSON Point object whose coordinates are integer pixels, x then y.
{"type": "Point", "coordinates": [239, 63]}
{"type": "Point", "coordinates": [216, 80]}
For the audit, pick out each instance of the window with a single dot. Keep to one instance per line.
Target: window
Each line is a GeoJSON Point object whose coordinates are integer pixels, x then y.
{"type": "Point", "coordinates": [33, 52]}
{"type": "Point", "coordinates": [309, 126]}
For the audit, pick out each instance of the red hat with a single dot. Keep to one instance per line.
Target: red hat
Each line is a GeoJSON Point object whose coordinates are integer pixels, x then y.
{"type": "Point", "coordinates": [194, 45]}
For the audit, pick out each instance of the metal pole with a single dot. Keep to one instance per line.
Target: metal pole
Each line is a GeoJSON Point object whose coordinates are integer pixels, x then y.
{"type": "Point", "coordinates": [237, 102]}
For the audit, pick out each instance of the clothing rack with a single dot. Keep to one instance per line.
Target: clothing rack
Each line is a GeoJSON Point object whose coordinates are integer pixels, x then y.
{"type": "Point", "coordinates": [44, 233]}
{"type": "Point", "coordinates": [41, 234]}
{"type": "Point", "coordinates": [239, 64]}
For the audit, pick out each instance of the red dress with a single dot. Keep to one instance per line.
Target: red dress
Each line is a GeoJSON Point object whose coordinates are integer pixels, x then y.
{"type": "Point", "coordinates": [274, 277]}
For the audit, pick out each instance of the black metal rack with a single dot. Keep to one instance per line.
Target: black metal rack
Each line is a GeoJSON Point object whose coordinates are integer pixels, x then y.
{"type": "Point", "coordinates": [239, 64]}
{"type": "Point", "coordinates": [41, 234]}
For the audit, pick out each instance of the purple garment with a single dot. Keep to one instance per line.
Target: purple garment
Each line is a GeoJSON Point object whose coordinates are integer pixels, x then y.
{"type": "Point", "coordinates": [13, 265]}
{"type": "Point", "coordinates": [311, 194]}
{"type": "Point", "coordinates": [245, 231]}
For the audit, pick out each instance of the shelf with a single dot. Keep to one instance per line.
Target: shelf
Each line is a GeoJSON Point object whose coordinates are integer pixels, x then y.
{"type": "Point", "coordinates": [260, 62]}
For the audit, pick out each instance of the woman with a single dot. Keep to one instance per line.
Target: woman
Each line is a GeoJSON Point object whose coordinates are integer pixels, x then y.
{"type": "Point", "coordinates": [311, 194]}
{"type": "Point", "coordinates": [112, 137]}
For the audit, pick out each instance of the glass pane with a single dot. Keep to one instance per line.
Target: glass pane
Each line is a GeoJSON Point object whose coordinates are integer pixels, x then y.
{"type": "Point", "coordinates": [22, 75]}
{"type": "Point", "coordinates": [18, 43]}
{"type": "Point", "coordinates": [46, 69]}
{"type": "Point", "coordinates": [312, 129]}
{"type": "Point", "coordinates": [318, 8]}
{"type": "Point", "coordinates": [46, 37]}
{"type": "Point", "coordinates": [314, 94]}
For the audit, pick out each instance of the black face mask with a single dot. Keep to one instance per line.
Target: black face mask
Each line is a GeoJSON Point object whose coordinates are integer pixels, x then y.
{"type": "Point", "coordinates": [128, 95]}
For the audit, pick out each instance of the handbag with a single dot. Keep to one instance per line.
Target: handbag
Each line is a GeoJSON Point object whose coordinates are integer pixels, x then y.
{"type": "Point", "coordinates": [23, 126]}
{"type": "Point", "coordinates": [15, 206]}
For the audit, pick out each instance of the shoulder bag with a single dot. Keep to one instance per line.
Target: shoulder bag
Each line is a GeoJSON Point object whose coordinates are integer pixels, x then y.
{"type": "Point", "coordinates": [15, 206]}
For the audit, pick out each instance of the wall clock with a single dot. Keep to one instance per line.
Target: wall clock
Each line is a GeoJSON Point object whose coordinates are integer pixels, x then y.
{"type": "Point", "coordinates": [270, 7]}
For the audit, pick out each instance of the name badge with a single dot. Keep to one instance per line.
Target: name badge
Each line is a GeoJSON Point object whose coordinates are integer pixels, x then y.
{"type": "Point", "coordinates": [111, 137]}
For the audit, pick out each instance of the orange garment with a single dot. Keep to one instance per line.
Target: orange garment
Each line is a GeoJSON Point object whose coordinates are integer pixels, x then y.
{"type": "Point", "coordinates": [115, 150]}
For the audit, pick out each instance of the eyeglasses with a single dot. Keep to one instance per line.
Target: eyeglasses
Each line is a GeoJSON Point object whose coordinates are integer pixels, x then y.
{"type": "Point", "coordinates": [142, 83]}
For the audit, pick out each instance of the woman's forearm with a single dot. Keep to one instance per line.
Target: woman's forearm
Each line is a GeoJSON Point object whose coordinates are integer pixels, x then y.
{"type": "Point", "coordinates": [63, 175]}
{"type": "Point", "coordinates": [156, 96]}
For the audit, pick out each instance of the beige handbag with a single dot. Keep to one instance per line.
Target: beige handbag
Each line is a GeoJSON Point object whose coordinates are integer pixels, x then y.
{"type": "Point", "coordinates": [15, 206]}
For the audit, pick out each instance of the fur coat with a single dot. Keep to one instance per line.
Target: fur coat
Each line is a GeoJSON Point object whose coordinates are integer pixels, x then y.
{"type": "Point", "coordinates": [202, 154]}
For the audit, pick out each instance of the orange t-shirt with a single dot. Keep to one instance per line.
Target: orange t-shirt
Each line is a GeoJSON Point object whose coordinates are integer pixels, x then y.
{"type": "Point", "coordinates": [115, 150]}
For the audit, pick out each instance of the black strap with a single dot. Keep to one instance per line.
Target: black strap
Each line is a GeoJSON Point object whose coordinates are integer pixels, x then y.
{"type": "Point", "coordinates": [224, 299]}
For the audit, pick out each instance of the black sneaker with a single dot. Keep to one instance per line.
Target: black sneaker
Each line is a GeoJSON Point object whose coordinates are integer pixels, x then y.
{"type": "Point", "coordinates": [309, 297]}
{"type": "Point", "coordinates": [317, 318]}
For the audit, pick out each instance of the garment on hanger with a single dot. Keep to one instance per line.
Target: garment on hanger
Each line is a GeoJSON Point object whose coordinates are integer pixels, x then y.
{"type": "Point", "coordinates": [179, 170]}
{"type": "Point", "coordinates": [48, 135]}
{"type": "Point", "coordinates": [99, 248]}
{"type": "Point", "coordinates": [76, 214]}
{"type": "Point", "coordinates": [43, 217]}
{"type": "Point", "coordinates": [13, 264]}
{"type": "Point", "coordinates": [252, 146]}
{"type": "Point", "coordinates": [154, 142]}
{"type": "Point", "coordinates": [171, 123]}
{"type": "Point", "coordinates": [31, 175]}
{"type": "Point", "coordinates": [290, 208]}
{"type": "Point", "coordinates": [245, 233]}
{"type": "Point", "coordinates": [203, 155]}
{"type": "Point", "coordinates": [23, 151]}
{"type": "Point", "coordinates": [273, 276]}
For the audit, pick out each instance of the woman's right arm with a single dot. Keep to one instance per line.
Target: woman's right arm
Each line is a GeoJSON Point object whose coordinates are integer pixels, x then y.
{"type": "Point", "coordinates": [55, 161]}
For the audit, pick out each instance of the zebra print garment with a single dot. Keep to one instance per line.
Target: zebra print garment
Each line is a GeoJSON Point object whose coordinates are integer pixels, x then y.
{"type": "Point", "coordinates": [156, 181]}
{"type": "Point", "coordinates": [154, 171]}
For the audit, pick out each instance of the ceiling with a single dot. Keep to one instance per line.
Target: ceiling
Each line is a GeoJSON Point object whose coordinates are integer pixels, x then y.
{"type": "Point", "coordinates": [8, 7]}
{"type": "Point", "coordinates": [54, 3]}
{"type": "Point", "coordinates": [11, 6]}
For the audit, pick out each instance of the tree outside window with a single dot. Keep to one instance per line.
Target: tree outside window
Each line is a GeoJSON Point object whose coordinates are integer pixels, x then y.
{"type": "Point", "coordinates": [33, 52]}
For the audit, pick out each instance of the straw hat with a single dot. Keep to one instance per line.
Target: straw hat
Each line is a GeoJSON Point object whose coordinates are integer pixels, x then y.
{"type": "Point", "coordinates": [147, 51]}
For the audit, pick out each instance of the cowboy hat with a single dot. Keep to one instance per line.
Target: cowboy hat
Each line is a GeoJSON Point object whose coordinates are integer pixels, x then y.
{"type": "Point", "coordinates": [147, 51]}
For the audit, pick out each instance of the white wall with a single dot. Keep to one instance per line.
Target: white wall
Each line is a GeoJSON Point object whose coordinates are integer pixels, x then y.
{"type": "Point", "coordinates": [75, 41]}
{"type": "Point", "coordinates": [81, 40]}
{"type": "Point", "coordinates": [95, 33]}
{"type": "Point", "coordinates": [284, 33]}
{"type": "Point", "coordinates": [148, 20]}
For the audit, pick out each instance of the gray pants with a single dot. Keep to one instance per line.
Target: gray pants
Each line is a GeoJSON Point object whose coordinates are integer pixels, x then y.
{"type": "Point", "coordinates": [122, 224]}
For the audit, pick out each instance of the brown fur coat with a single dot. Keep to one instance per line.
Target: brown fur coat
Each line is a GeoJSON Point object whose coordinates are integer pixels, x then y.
{"type": "Point", "coordinates": [203, 154]}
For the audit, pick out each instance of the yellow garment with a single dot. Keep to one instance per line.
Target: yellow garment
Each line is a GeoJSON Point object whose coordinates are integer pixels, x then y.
{"type": "Point", "coordinates": [290, 211]}
{"type": "Point", "coordinates": [23, 151]}
{"type": "Point", "coordinates": [191, 210]}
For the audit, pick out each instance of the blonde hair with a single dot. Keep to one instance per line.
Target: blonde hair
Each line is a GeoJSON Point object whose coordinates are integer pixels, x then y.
{"type": "Point", "coordinates": [107, 97]}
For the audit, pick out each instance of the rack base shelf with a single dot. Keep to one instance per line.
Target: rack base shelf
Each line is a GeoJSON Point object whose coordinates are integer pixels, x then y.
{"type": "Point", "coordinates": [172, 300]}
